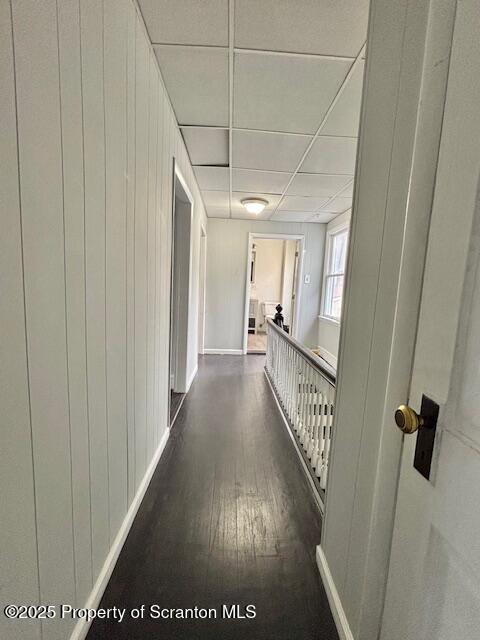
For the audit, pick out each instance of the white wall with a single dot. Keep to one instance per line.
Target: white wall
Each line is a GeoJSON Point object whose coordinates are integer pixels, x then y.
{"type": "Point", "coordinates": [227, 255]}
{"type": "Point", "coordinates": [85, 276]}
{"type": "Point", "coordinates": [329, 330]}
{"type": "Point", "coordinates": [328, 339]}
{"type": "Point", "coordinates": [268, 275]}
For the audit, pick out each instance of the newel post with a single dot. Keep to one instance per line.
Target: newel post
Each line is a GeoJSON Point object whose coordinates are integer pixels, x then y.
{"type": "Point", "coordinates": [278, 319]}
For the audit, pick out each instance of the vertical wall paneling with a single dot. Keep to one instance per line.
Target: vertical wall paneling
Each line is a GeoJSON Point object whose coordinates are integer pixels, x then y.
{"type": "Point", "coordinates": [88, 136]}
{"type": "Point", "coordinates": [130, 248]}
{"type": "Point", "coordinates": [91, 16]}
{"type": "Point", "coordinates": [41, 189]}
{"type": "Point", "coordinates": [167, 220]}
{"type": "Point", "coordinates": [115, 52]}
{"type": "Point", "coordinates": [169, 202]}
{"type": "Point", "coordinates": [73, 194]}
{"type": "Point", "coordinates": [18, 547]}
{"type": "Point", "coordinates": [142, 61]}
{"type": "Point", "coordinates": [160, 379]}
{"type": "Point", "coordinates": [165, 248]}
{"type": "Point", "coordinates": [152, 187]}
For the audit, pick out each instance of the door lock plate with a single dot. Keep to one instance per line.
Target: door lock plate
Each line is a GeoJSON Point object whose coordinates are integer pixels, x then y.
{"type": "Point", "coordinates": [426, 437]}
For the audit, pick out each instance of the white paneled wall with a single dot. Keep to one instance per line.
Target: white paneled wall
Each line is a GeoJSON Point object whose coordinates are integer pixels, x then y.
{"type": "Point", "coordinates": [87, 140]}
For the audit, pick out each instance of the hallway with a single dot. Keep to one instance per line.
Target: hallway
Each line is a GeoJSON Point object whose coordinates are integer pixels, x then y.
{"type": "Point", "coordinates": [228, 519]}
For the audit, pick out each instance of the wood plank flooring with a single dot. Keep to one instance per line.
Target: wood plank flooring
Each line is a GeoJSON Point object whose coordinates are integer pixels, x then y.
{"type": "Point", "coordinates": [257, 342]}
{"type": "Point", "coordinates": [228, 519]}
{"type": "Point", "coordinates": [176, 400]}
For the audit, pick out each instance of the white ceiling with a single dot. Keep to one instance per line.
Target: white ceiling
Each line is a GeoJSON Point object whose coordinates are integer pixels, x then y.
{"type": "Point", "coordinates": [267, 94]}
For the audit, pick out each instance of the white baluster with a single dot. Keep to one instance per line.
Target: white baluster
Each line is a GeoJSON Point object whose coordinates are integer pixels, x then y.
{"type": "Point", "coordinates": [313, 411]}
{"type": "Point", "coordinates": [296, 424]}
{"type": "Point", "coordinates": [321, 453]}
{"type": "Point", "coordinates": [302, 392]}
{"type": "Point", "coordinates": [328, 438]}
{"type": "Point", "coordinates": [316, 455]}
{"type": "Point", "coordinates": [306, 406]}
{"type": "Point", "coordinates": [306, 396]}
{"type": "Point", "coordinates": [308, 402]}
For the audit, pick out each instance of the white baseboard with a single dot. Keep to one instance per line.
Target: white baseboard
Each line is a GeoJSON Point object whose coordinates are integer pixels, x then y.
{"type": "Point", "coordinates": [81, 628]}
{"type": "Point", "coordinates": [223, 352]}
{"type": "Point", "coordinates": [192, 377]}
{"type": "Point", "coordinates": [341, 622]}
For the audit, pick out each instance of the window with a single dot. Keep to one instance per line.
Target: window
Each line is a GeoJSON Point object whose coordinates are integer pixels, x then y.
{"type": "Point", "coordinates": [336, 256]}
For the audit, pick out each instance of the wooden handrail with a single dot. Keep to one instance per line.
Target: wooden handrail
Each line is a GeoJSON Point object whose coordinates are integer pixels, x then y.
{"type": "Point", "coordinates": [320, 365]}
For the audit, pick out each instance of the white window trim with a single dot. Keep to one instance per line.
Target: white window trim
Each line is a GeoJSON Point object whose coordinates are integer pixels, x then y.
{"type": "Point", "coordinates": [334, 231]}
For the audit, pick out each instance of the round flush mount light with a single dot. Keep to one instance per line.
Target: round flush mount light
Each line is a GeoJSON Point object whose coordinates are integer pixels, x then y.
{"type": "Point", "coordinates": [254, 205]}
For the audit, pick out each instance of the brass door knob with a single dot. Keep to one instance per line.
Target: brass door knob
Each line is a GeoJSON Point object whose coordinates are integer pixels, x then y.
{"type": "Point", "coordinates": [407, 419]}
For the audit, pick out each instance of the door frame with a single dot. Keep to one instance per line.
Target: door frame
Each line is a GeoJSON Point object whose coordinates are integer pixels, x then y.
{"type": "Point", "coordinates": [202, 288]}
{"type": "Point", "coordinates": [300, 239]}
{"type": "Point", "coordinates": [389, 230]}
{"type": "Point", "coordinates": [180, 376]}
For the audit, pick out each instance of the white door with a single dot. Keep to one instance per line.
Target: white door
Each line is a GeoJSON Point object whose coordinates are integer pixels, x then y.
{"type": "Point", "coordinates": [293, 322]}
{"type": "Point", "coordinates": [201, 290]}
{"type": "Point", "coordinates": [433, 589]}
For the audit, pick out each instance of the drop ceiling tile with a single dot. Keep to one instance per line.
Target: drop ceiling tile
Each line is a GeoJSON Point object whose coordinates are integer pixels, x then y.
{"type": "Point", "coordinates": [186, 21]}
{"type": "Point", "coordinates": [239, 214]}
{"type": "Point", "coordinates": [284, 93]}
{"type": "Point", "coordinates": [239, 211]}
{"type": "Point", "coordinates": [331, 155]}
{"type": "Point", "coordinates": [242, 214]}
{"type": "Point", "coordinates": [216, 199]}
{"type": "Point", "coordinates": [266, 181]}
{"type": "Point", "coordinates": [268, 151]}
{"type": "Point", "coordinates": [217, 212]}
{"type": "Point", "coordinates": [317, 184]}
{"type": "Point", "coordinates": [197, 83]}
{"type": "Point", "coordinates": [310, 26]}
{"type": "Point", "coordinates": [344, 118]}
{"type": "Point", "coordinates": [323, 218]}
{"type": "Point", "coordinates": [348, 191]}
{"type": "Point", "coordinates": [300, 203]}
{"type": "Point", "coordinates": [206, 146]}
{"type": "Point", "coordinates": [213, 178]}
{"type": "Point", "coordinates": [291, 216]}
{"type": "Point", "coordinates": [217, 203]}
{"type": "Point", "coordinates": [338, 205]}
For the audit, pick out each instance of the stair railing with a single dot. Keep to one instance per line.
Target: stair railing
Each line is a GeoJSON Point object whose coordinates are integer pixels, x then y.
{"type": "Point", "coordinates": [304, 385]}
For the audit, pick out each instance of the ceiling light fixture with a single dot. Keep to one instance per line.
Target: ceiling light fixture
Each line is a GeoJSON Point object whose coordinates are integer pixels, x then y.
{"type": "Point", "coordinates": [254, 205]}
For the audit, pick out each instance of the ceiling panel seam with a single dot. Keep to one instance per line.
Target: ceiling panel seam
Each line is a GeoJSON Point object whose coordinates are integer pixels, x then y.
{"type": "Point", "coordinates": [356, 62]}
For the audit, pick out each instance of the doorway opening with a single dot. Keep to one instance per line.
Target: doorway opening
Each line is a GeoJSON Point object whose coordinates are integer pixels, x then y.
{"type": "Point", "coordinates": [273, 278]}
{"type": "Point", "coordinates": [180, 292]}
{"type": "Point", "coordinates": [202, 290]}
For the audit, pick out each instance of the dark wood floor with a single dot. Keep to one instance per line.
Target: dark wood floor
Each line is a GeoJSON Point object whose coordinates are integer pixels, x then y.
{"type": "Point", "coordinates": [176, 400]}
{"type": "Point", "coordinates": [228, 519]}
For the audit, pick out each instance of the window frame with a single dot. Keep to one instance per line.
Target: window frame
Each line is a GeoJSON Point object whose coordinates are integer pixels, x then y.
{"type": "Point", "coordinates": [329, 242]}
